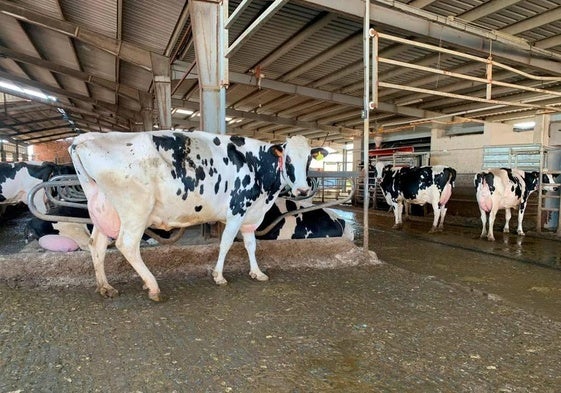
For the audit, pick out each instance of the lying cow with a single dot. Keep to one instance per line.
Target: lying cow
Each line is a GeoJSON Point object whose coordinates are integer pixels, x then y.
{"type": "Point", "coordinates": [418, 186]}
{"type": "Point", "coordinates": [170, 179]}
{"type": "Point", "coordinates": [505, 188]}
{"type": "Point", "coordinates": [317, 223]}
{"type": "Point", "coordinates": [17, 179]}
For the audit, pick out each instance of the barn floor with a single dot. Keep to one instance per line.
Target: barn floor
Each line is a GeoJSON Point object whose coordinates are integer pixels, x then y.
{"type": "Point", "coordinates": [442, 313]}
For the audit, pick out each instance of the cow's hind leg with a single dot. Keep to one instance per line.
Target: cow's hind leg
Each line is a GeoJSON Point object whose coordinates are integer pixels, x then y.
{"type": "Point", "coordinates": [483, 223]}
{"type": "Point", "coordinates": [98, 245]}
{"type": "Point", "coordinates": [250, 246]}
{"type": "Point", "coordinates": [443, 211]}
{"type": "Point", "coordinates": [508, 215]}
{"type": "Point", "coordinates": [129, 244]}
{"type": "Point", "coordinates": [398, 214]}
{"type": "Point", "coordinates": [437, 212]}
{"type": "Point", "coordinates": [230, 231]}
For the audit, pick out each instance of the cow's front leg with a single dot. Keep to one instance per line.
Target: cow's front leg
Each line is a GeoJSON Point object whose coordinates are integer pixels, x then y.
{"type": "Point", "coordinates": [508, 215]}
{"type": "Point", "coordinates": [98, 245]}
{"type": "Point", "coordinates": [248, 233]}
{"type": "Point", "coordinates": [230, 231]}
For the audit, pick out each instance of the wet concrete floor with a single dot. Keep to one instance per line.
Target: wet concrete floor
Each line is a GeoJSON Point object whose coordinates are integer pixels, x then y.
{"type": "Point", "coordinates": [445, 313]}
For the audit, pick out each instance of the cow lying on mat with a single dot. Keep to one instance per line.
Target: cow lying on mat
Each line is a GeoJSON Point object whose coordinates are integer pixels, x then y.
{"type": "Point", "coordinates": [505, 188]}
{"type": "Point", "coordinates": [18, 178]}
{"type": "Point", "coordinates": [170, 179]}
{"type": "Point", "coordinates": [418, 186]}
{"type": "Point", "coordinates": [319, 223]}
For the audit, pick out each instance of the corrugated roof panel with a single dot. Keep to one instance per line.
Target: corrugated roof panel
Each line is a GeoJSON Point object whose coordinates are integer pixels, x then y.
{"type": "Point", "coordinates": [150, 23]}
{"type": "Point", "coordinates": [135, 76]}
{"type": "Point", "coordinates": [50, 8]}
{"type": "Point", "coordinates": [96, 62]}
{"type": "Point", "coordinates": [97, 15]}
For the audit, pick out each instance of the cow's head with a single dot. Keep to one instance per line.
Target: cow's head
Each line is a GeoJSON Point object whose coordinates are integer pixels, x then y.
{"type": "Point", "coordinates": [532, 180]}
{"type": "Point", "coordinates": [378, 170]}
{"type": "Point", "coordinates": [547, 181]}
{"type": "Point", "coordinates": [294, 160]}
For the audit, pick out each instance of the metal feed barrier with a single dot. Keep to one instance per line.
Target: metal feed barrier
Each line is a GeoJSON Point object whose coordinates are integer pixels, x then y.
{"type": "Point", "coordinates": [65, 190]}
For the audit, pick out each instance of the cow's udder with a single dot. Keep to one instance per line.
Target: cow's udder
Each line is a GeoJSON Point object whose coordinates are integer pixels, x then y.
{"type": "Point", "coordinates": [103, 214]}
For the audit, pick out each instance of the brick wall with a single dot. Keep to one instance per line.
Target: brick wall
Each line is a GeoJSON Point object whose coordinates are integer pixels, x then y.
{"type": "Point", "coordinates": [56, 151]}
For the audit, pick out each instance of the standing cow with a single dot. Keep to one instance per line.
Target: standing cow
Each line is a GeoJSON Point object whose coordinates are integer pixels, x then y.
{"type": "Point", "coordinates": [18, 178]}
{"type": "Point", "coordinates": [418, 186]}
{"type": "Point", "coordinates": [170, 179]}
{"type": "Point", "coordinates": [505, 188]}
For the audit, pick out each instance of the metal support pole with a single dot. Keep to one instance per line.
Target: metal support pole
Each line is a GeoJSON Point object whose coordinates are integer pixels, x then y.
{"type": "Point", "coordinates": [161, 70]}
{"type": "Point", "coordinates": [366, 123]}
{"type": "Point", "coordinates": [146, 111]}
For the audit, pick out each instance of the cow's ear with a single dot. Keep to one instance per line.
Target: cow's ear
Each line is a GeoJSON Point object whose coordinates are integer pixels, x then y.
{"type": "Point", "coordinates": [318, 153]}
{"type": "Point", "coordinates": [276, 150]}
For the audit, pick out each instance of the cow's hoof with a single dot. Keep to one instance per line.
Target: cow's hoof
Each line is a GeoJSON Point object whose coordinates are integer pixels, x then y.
{"type": "Point", "coordinates": [157, 297]}
{"type": "Point", "coordinates": [259, 276]}
{"type": "Point", "coordinates": [397, 226]}
{"type": "Point", "coordinates": [491, 239]}
{"type": "Point", "coordinates": [434, 230]}
{"type": "Point", "coordinates": [521, 234]}
{"type": "Point", "coordinates": [108, 291]}
{"type": "Point", "coordinates": [219, 278]}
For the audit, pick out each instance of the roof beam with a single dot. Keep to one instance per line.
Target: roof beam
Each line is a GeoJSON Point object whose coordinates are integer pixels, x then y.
{"type": "Point", "coordinates": [124, 90]}
{"type": "Point", "coordinates": [126, 114]}
{"type": "Point", "coordinates": [274, 119]}
{"type": "Point", "coordinates": [122, 49]}
{"type": "Point", "coordinates": [487, 8]}
{"type": "Point", "coordinates": [448, 30]}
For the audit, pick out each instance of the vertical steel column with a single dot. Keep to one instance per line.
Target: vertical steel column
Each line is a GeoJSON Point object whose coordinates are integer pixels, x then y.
{"type": "Point", "coordinates": [162, 88]}
{"type": "Point", "coordinates": [489, 72]}
{"type": "Point", "coordinates": [366, 122]}
{"type": "Point", "coordinates": [146, 110]}
{"type": "Point", "coordinates": [207, 19]}
{"type": "Point", "coordinates": [374, 101]}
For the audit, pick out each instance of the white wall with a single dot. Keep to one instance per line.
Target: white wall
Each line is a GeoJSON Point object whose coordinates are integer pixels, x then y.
{"type": "Point", "coordinates": [465, 152]}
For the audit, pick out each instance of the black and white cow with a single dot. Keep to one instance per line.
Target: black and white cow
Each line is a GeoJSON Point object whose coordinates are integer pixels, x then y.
{"type": "Point", "coordinates": [418, 186]}
{"type": "Point", "coordinates": [170, 179]}
{"type": "Point", "coordinates": [17, 179]}
{"type": "Point", "coordinates": [319, 223]}
{"type": "Point", "coordinates": [505, 188]}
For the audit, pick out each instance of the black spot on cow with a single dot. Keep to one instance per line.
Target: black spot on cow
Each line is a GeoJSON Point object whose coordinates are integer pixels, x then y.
{"type": "Point", "coordinates": [236, 156]}
{"type": "Point", "coordinates": [198, 208]}
{"type": "Point", "coordinates": [226, 161]}
{"type": "Point", "coordinates": [179, 144]}
{"type": "Point", "coordinates": [217, 184]}
{"type": "Point", "coordinates": [216, 141]}
{"type": "Point", "coordinates": [246, 180]}
{"type": "Point", "coordinates": [238, 140]}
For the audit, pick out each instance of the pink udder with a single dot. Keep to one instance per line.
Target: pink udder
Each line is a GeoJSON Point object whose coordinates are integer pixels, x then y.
{"type": "Point", "coordinates": [484, 200]}
{"type": "Point", "coordinates": [446, 194]}
{"type": "Point", "coordinates": [102, 212]}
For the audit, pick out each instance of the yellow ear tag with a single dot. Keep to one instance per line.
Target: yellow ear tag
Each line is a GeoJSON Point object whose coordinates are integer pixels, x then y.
{"type": "Point", "coordinates": [319, 156]}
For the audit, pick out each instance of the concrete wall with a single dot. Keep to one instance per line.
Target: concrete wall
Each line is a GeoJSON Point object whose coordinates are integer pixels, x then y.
{"type": "Point", "coordinates": [465, 152]}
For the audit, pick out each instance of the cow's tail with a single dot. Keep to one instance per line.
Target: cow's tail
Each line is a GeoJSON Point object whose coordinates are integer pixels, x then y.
{"type": "Point", "coordinates": [483, 191]}
{"type": "Point", "coordinates": [102, 212]}
{"type": "Point", "coordinates": [450, 175]}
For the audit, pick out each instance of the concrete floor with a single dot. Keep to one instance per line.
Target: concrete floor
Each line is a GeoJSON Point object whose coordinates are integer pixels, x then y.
{"type": "Point", "coordinates": [444, 313]}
